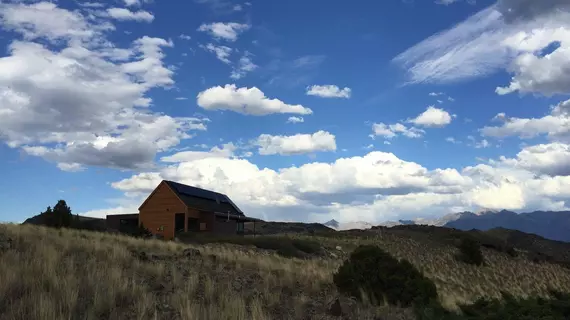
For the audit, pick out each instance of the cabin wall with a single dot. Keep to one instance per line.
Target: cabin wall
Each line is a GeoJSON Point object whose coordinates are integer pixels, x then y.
{"type": "Point", "coordinates": [222, 226]}
{"type": "Point", "coordinates": [157, 213]}
{"type": "Point", "coordinates": [113, 222]}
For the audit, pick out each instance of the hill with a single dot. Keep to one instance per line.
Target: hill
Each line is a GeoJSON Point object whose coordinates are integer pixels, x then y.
{"type": "Point", "coordinates": [82, 274]}
{"type": "Point", "coordinates": [275, 227]}
{"type": "Point", "coordinates": [79, 222]}
{"type": "Point", "coordinates": [553, 225]}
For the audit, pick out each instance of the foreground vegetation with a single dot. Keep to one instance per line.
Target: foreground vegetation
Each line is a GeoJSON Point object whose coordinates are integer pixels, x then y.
{"type": "Point", "coordinates": [48, 273]}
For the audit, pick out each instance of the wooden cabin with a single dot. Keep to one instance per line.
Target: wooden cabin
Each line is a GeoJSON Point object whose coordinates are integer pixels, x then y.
{"type": "Point", "coordinates": [174, 207]}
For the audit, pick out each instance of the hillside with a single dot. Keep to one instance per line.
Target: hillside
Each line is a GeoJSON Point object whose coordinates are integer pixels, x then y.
{"type": "Point", "coordinates": [79, 222]}
{"type": "Point", "coordinates": [553, 225]}
{"type": "Point", "coordinates": [274, 227]}
{"type": "Point", "coordinates": [80, 274]}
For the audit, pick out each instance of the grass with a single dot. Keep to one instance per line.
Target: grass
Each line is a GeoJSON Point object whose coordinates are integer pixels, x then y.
{"type": "Point", "coordinates": [74, 274]}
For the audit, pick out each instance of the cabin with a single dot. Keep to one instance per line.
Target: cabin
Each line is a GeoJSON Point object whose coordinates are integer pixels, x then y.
{"type": "Point", "coordinates": [173, 208]}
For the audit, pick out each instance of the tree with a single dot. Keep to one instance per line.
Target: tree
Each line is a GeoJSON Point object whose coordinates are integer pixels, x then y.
{"type": "Point", "coordinates": [470, 251]}
{"type": "Point", "coordinates": [58, 217]}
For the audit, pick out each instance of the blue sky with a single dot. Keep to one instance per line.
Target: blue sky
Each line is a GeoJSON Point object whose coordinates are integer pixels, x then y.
{"type": "Point", "coordinates": [298, 110]}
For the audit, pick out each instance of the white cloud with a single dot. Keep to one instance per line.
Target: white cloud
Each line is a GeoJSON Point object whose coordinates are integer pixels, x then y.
{"type": "Point", "coordinates": [328, 91]}
{"type": "Point", "coordinates": [493, 38]}
{"type": "Point", "coordinates": [129, 3]}
{"type": "Point", "coordinates": [548, 74]}
{"type": "Point", "coordinates": [227, 31]}
{"type": "Point", "coordinates": [85, 102]}
{"type": "Point", "coordinates": [432, 117]}
{"type": "Point", "coordinates": [556, 125]}
{"type": "Point", "coordinates": [482, 144]}
{"type": "Point", "coordinates": [184, 36]}
{"type": "Point", "coordinates": [46, 20]}
{"type": "Point", "coordinates": [452, 140]}
{"type": "Point", "coordinates": [126, 14]}
{"type": "Point", "coordinates": [375, 187]}
{"type": "Point", "coordinates": [296, 144]}
{"type": "Point", "coordinates": [250, 101]}
{"type": "Point", "coordinates": [552, 159]}
{"type": "Point", "coordinates": [295, 120]}
{"type": "Point", "coordinates": [244, 66]}
{"type": "Point", "coordinates": [226, 151]}
{"type": "Point", "coordinates": [392, 130]}
{"type": "Point", "coordinates": [222, 52]}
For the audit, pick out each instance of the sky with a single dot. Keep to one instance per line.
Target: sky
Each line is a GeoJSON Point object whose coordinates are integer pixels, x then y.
{"type": "Point", "coordinates": [297, 110]}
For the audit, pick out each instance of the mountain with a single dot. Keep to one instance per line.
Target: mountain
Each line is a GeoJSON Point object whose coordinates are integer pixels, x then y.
{"type": "Point", "coordinates": [438, 222]}
{"type": "Point", "coordinates": [362, 225]}
{"type": "Point", "coordinates": [553, 225]}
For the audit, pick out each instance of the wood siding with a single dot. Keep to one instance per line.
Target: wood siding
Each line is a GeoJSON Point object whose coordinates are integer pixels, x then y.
{"type": "Point", "coordinates": [157, 212]}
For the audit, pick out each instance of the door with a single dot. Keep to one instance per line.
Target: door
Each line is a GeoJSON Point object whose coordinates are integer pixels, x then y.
{"type": "Point", "coordinates": [179, 222]}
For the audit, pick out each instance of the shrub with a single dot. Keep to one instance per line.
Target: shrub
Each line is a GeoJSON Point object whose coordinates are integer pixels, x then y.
{"type": "Point", "coordinates": [378, 275]}
{"type": "Point", "coordinates": [470, 251]}
{"type": "Point", "coordinates": [138, 231]}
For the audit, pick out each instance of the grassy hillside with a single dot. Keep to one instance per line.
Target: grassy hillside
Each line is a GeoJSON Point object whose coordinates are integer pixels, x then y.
{"type": "Point", "coordinates": [73, 274]}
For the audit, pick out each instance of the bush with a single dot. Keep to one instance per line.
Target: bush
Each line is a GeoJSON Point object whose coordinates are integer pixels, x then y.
{"type": "Point", "coordinates": [137, 231]}
{"type": "Point", "coordinates": [470, 251]}
{"type": "Point", "coordinates": [378, 275]}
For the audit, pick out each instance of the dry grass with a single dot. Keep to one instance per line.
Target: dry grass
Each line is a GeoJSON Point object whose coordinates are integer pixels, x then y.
{"type": "Point", "coordinates": [72, 274]}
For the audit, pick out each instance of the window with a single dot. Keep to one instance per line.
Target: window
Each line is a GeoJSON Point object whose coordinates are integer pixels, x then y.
{"type": "Point", "coordinates": [240, 227]}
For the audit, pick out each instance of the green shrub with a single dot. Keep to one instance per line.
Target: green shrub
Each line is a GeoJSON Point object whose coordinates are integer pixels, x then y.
{"type": "Point", "coordinates": [381, 277]}
{"type": "Point", "coordinates": [470, 251]}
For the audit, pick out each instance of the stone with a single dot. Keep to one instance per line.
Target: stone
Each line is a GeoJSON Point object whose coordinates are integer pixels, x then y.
{"type": "Point", "coordinates": [189, 252]}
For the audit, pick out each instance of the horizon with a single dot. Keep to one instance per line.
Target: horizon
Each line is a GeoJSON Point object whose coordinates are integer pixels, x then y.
{"type": "Point", "coordinates": [382, 111]}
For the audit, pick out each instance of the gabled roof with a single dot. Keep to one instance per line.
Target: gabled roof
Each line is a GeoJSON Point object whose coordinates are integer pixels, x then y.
{"type": "Point", "coordinates": [204, 199]}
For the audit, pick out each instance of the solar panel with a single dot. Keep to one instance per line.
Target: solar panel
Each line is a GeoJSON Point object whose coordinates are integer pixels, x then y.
{"type": "Point", "coordinates": [197, 192]}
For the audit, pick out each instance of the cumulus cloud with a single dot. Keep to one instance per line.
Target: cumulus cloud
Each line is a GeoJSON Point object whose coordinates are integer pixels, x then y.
{"type": "Point", "coordinates": [296, 144]}
{"type": "Point", "coordinates": [556, 125]}
{"type": "Point", "coordinates": [375, 187]}
{"type": "Point", "coordinates": [251, 101]}
{"type": "Point", "coordinates": [227, 31]}
{"type": "Point", "coordinates": [548, 74]}
{"type": "Point", "coordinates": [329, 91]}
{"type": "Point", "coordinates": [432, 117]}
{"type": "Point", "coordinates": [389, 131]}
{"type": "Point", "coordinates": [45, 20]}
{"type": "Point", "coordinates": [551, 159]}
{"type": "Point", "coordinates": [126, 14]}
{"type": "Point", "coordinates": [83, 102]}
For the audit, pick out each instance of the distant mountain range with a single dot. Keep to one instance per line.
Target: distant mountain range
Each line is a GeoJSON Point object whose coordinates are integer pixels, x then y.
{"type": "Point", "coordinates": [553, 225]}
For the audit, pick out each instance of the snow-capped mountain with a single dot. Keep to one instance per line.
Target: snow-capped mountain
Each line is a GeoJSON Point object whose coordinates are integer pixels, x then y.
{"type": "Point", "coordinates": [348, 225]}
